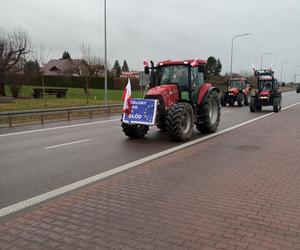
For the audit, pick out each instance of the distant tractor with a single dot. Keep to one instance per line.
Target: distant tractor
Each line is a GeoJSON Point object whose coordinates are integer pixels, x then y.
{"type": "Point", "coordinates": [238, 90]}
{"type": "Point", "coordinates": [267, 93]}
{"type": "Point", "coordinates": [184, 99]}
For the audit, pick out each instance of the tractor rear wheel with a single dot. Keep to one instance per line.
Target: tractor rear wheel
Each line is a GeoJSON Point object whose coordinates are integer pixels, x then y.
{"type": "Point", "coordinates": [135, 131]}
{"type": "Point", "coordinates": [209, 114]}
{"type": "Point", "coordinates": [224, 100]}
{"type": "Point", "coordinates": [180, 122]}
{"type": "Point", "coordinates": [298, 89]}
{"type": "Point", "coordinates": [252, 104]}
{"type": "Point", "coordinates": [276, 104]}
{"type": "Point", "coordinates": [240, 100]}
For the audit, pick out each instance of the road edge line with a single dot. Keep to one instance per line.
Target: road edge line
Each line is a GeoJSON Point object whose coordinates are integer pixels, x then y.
{"type": "Point", "coordinates": [57, 128]}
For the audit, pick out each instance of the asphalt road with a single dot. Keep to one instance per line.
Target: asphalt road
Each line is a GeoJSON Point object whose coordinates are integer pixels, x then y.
{"type": "Point", "coordinates": [36, 162]}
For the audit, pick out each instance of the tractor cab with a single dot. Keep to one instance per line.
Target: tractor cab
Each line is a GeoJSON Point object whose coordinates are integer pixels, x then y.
{"type": "Point", "coordinates": [187, 76]}
{"type": "Point", "coordinates": [267, 93]}
{"type": "Point", "coordinates": [267, 82]}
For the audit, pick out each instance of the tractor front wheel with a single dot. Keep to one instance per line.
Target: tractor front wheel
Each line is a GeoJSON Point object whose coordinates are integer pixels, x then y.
{"type": "Point", "coordinates": [209, 114]}
{"type": "Point", "coordinates": [240, 100]}
{"type": "Point", "coordinates": [224, 100]}
{"type": "Point", "coordinates": [231, 101]}
{"type": "Point", "coordinates": [276, 104]}
{"type": "Point", "coordinates": [135, 131]}
{"type": "Point", "coordinates": [180, 122]}
{"type": "Point", "coordinates": [246, 100]}
{"type": "Point", "coordinates": [252, 104]}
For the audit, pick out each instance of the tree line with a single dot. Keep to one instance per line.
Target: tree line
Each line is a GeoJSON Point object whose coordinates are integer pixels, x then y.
{"type": "Point", "coordinates": [18, 58]}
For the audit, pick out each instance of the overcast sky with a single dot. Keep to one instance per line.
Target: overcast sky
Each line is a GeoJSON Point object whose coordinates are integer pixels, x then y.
{"type": "Point", "coordinates": [164, 29]}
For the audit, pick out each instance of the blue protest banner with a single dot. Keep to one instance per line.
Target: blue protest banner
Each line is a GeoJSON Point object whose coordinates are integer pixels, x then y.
{"type": "Point", "coordinates": [143, 111]}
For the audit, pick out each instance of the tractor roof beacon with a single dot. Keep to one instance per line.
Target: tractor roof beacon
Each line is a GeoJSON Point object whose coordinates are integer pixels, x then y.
{"type": "Point", "coordinates": [238, 90]}
{"type": "Point", "coordinates": [184, 99]}
{"type": "Point", "coordinates": [267, 93]}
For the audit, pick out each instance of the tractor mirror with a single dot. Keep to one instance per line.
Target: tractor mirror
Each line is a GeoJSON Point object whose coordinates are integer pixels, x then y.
{"type": "Point", "coordinates": [147, 70]}
{"type": "Point", "coordinates": [201, 69]}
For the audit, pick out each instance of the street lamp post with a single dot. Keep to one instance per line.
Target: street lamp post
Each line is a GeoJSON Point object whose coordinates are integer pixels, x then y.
{"type": "Point", "coordinates": [262, 57]}
{"type": "Point", "coordinates": [105, 57]}
{"type": "Point", "coordinates": [231, 61]}
{"type": "Point", "coordinates": [282, 63]}
{"type": "Point", "coordinates": [294, 76]}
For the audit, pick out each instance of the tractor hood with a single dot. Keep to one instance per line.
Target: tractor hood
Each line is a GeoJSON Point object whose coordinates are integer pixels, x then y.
{"type": "Point", "coordinates": [265, 92]}
{"type": "Point", "coordinates": [234, 91]}
{"type": "Point", "coordinates": [169, 93]}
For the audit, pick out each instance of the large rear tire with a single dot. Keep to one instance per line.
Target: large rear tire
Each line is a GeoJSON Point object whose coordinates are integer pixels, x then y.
{"type": "Point", "coordinates": [298, 89]}
{"type": "Point", "coordinates": [240, 100]}
{"type": "Point", "coordinates": [252, 104]}
{"type": "Point", "coordinates": [209, 114]}
{"type": "Point", "coordinates": [135, 131]}
{"type": "Point", "coordinates": [180, 122]}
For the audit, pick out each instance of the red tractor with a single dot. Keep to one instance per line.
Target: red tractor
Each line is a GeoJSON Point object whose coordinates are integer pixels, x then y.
{"type": "Point", "coordinates": [184, 99]}
{"type": "Point", "coordinates": [267, 93]}
{"type": "Point", "coordinates": [237, 91]}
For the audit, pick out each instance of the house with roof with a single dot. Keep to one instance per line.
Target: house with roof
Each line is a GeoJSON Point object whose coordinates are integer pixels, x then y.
{"type": "Point", "coordinates": [63, 67]}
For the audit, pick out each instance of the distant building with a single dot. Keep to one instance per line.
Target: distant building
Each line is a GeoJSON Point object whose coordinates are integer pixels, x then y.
{"type": "Point", "coordinates": [99, 70]}
{"type": "Point", "coordinates": [62, 67]}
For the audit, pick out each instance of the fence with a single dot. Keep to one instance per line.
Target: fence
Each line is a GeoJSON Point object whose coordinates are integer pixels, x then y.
{"type": "Point", "coordinates": [59, 114]}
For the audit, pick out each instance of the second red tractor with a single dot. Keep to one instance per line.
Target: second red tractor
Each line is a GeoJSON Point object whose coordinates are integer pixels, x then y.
{"type": "Point", "coordinates": [237, 91]}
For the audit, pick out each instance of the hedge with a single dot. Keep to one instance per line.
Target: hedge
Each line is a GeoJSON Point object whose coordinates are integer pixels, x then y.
{"type": "Point", "coordinates": [68, 82]}
{"type": "Point", "coordinates": [77, 82]}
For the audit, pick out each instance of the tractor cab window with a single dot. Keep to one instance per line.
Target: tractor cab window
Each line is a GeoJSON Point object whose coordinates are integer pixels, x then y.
{"type": "Point", "coordinates": [178, 74]}
{"type": "Point", "coordinates": [197, 77]}
{"type": "Point", "coordinates": [265, 85]}
{"type": "Point", "coordinates": [173, 74]}
{"type": "Point", "coordinates": [236, 84]}
{"type": "Point", "coordinates": [276, 85]}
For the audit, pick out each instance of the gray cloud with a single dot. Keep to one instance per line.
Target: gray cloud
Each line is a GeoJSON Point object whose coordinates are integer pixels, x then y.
{"type": "Point", "coordinates": [164, 29]}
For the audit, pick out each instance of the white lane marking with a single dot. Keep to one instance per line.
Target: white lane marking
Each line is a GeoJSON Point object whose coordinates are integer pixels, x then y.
{"type": "Point", "coordinates": [59, 191]}
{"type": "Point", "coordinates": [67, 144]}
{"type": "Point", "coordinates": [60, 127]}
{"type": "Point", "coordinates": [290, 106]}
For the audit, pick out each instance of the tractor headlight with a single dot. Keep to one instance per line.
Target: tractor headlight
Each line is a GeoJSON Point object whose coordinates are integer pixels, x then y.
{"type": "Point", "coordinates": [264, 97]}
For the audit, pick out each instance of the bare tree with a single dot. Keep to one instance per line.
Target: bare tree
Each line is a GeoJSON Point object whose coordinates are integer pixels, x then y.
{"type": "Point", "coordinates": [14, 47]}
{"type": "Point", "coordinates": [93, 65]}
{"type": "Point", "coordinates": [41, 55]}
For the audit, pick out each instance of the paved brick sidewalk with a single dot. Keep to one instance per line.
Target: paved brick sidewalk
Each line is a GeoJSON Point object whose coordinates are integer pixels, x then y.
{"type": "Point", "coordinates": [240, 190]}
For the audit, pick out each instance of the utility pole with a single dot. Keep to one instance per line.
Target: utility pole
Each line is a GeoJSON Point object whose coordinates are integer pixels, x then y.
{"type": "Point", "coordinates": [105, 57]}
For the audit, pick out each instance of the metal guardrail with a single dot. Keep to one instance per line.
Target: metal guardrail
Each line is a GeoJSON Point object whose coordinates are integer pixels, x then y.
{"type": "Point", "coordinates": [108, 111]}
